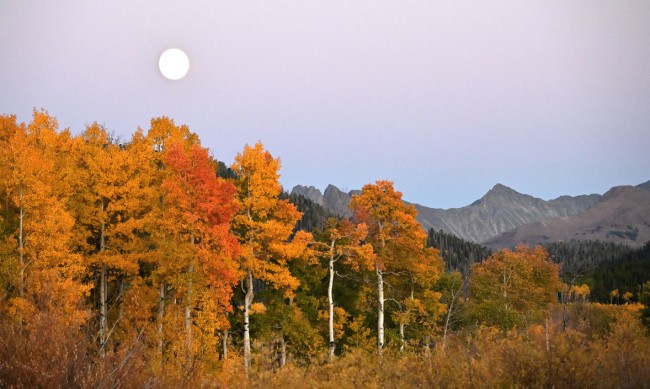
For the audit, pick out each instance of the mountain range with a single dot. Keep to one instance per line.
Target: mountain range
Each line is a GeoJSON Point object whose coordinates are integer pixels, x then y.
{"type": "Point", "coordinates": [504, 217]}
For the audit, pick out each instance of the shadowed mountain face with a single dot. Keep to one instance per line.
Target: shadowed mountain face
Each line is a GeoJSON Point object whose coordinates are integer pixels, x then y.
{"type": "Point", "coordinates": [334, 200]}
{"type": "Point", "coordinates": [500, 210]}
{"type": "Point", "coordinates": [623, 216]}
{"type": "Point", "coordinates": [311, 193]}
{"type": "Point", "coordinates": [644, 186]}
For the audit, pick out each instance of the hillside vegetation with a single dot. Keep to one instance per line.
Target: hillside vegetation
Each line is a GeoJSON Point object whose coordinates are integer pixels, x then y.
{"type": "Point", "coordinates": [148, 263]}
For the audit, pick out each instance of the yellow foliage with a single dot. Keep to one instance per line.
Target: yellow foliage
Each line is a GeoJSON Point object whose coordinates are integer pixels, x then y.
{"type": "Point", "coordinates": [258, 308]}
{"type": "Point", "coordinates": [579, 292]}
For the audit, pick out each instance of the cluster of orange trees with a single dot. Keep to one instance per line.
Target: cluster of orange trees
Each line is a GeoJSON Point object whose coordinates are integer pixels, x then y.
{"type": "Point", "coordinates": [135, 259]}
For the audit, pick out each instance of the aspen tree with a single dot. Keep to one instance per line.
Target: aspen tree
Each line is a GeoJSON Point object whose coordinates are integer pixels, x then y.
{"type": "Point", "coordinates": [264, 227]}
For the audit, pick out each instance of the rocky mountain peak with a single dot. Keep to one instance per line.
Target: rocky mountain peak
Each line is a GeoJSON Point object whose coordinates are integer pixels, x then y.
{"type": "Point", "coordinates": [309, 192]}
{"type": "Point", "coordinates": [337, 201]}
{"type": "Point", "coordinates": [502, 190]}
{"type": "Point", "coordinates": [333, 199]}
{"type": "Point", "coordinates": [621, 215]}
{"type": "Point", "coordinates": [501, 209]}
{"type": "Point", "coordinates": [500, 194]}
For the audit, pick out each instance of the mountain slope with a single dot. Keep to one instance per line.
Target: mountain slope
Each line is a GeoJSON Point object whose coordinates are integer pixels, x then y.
{"type": "Point", "coordinates": [645, 186]}
{"type": "Point", "coordinates": [623, 216]}
{"type": "Point", "coordinates": [500, 210]}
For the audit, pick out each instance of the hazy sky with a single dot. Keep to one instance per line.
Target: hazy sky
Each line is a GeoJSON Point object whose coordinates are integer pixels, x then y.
{"type": "Point", "coordinates": [444, 98]}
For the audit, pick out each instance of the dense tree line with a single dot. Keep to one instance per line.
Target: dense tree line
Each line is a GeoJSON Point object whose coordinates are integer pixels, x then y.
{"type": "Point", "coordinates": [148, 263]}
{"type": "Point", "coordinates": [459, 254]}
{"type": "Point", "coordinates": [583, 256]}
{"type": "Point", "coordinates": [313, 217]}
{"type": "Point", "coordinates": [611, 280]}
{"type": "Point", "coordinates": [610, 269]}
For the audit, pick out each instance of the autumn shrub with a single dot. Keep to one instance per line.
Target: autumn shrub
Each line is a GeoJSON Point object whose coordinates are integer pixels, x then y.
{"type": "Point", "coordinates": [41, 354]}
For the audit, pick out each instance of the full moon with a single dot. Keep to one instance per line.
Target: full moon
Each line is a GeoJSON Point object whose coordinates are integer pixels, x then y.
{"type": "Point", "coordinates": [174, 64]}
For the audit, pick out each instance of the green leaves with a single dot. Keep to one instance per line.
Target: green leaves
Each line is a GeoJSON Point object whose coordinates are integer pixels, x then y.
{"type": "Point", "coordinates": [514, 288]}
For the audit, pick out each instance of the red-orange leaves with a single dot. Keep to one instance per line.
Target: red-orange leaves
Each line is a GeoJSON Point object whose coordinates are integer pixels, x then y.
{"type": "Point", "coordinates": [200, 198]}
{"type": "Point", "coordinates": [199, 207]}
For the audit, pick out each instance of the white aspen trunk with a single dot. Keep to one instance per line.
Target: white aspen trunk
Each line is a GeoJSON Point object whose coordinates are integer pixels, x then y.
{"type": "Point", "coordinates": [103, 291]}
{"type": "Point", "coordinates": [188, 311]}
{"type": "Point", "coordinates": [330, 300]}
{"type": "Point", "coordinates": [21, 243]}
{"type": "Point", "coordinates": [188, 320]}
{"type": "Point", "coordinates": [161, 316]}
{"type": "Point", "coordinates": [450, 313]}
{"type": "Point", "coordinates": [248, 299]}
{"type": "Point", "coordinates": [21, 252]}
{"type": "Point", "coordinates": [381, 300]}
{"type": "Point", "coordinates": [380, 310]}
{"type": "Point", "coordinates": [283, 352]}
{"type": "Point", "coordinates": [565, 297]}
{"type": "Point", "coordinates": [447, 321]}
{"type": "Point", "coordinates": [224, 344]}
{"type": "Point", "coordinates": [102, 311]}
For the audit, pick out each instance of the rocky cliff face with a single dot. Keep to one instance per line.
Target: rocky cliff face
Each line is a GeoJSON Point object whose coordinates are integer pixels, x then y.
{"type": "Point", "coordinates": [334, 200]}
{"type": "Point", "coordinates": [622, 216]}
{"type": "Point", "coordinates": [309, 192]}
{"type": "Point", "coordinates": [338, 201]}
{"type": "Point", "coordinates": [503, 209]}
{"type": "Point", "coordinates": [499, 210]}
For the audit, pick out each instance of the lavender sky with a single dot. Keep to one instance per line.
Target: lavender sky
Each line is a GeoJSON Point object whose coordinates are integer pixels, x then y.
{"type": "Point", "coordinates": [444, 98]}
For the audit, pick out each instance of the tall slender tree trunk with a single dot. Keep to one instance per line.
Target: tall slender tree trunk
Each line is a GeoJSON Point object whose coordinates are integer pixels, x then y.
{"type": "Point", "coordinates": [248, 299]}
{"type": "Point", "coordinates": [188, 312]}
{"type": "Point", "coordinates": [161, 316]}
{"type": "Point", "coordinates": [21, 252]}
{"type": "Point", "coordinates": [330, 300]}
{"type": "Point", "coordinates": [21, 243]}
{"type": "Point", "coordinates": [380, 310]}
{"type": "Point", "coordinates": [447, 322]}
{"type": "Point", "coordinates": [102, 311]}
{"type": "Point", "coordinates": [224, 344]}
{"type": "Point", "coordinates": [103, 290]}
{"type": "Point", "coordinates": [450, 313]}
{"type": "Point", "coordinates": [188, 318]}
{"type": "Point", "coordinates": [283, 351]}
{"type": "Point", "coordinates": [381, 299]}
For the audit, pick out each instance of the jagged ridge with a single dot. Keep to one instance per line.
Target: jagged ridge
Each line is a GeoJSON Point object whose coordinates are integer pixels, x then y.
{"type": "Point", "coordinates": [501, 209]}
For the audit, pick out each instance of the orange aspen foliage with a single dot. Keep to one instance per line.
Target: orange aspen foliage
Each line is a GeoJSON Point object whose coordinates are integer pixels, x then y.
{"type": "Point", "coordinates": [107, 210]}
{"type": "Point", "coordinates": [200, 208]}
{"type": "Point", "coordinates": [47, 274]}
{"type": "Point", "coordinates": [398, 240]}
{"type": "Point", "coordinates": [198, 211]}
{"type": "Point", "coordinates": [148, 151]}
{"type": "Point", "coordinates": [160, 250]}
{"type": "Point", "coordinates": [264, 226]}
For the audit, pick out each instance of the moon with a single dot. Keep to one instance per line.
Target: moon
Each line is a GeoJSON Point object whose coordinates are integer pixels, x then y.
{"type": "Point", "coordinates": [174, 64]}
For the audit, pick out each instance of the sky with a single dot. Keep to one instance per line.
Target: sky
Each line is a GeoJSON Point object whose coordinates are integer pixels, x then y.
{"type": "Point", "coordinates": [444, 98]}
